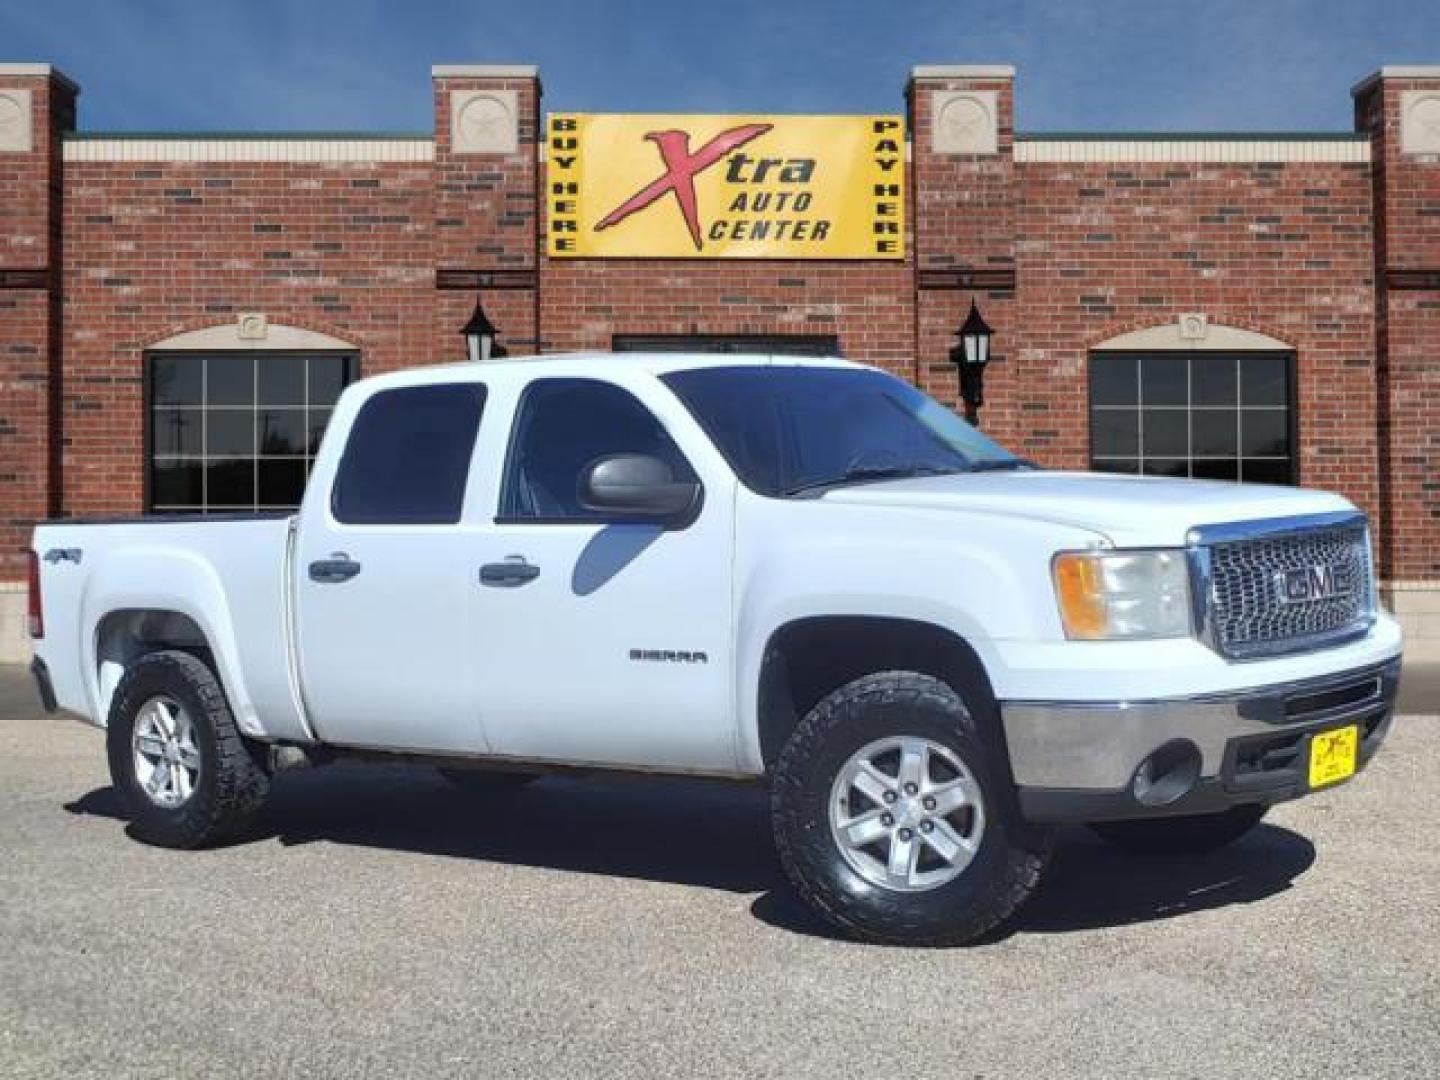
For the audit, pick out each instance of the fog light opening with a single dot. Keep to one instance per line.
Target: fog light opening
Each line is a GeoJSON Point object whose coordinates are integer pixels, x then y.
{"type": "Point", "coordinates": [1168, 774]}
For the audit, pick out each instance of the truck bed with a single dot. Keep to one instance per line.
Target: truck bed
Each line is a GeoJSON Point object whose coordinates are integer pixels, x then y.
{"type": "Point", "coordinates": [230, 580]}
{"type": "Point", "coordinates": [170, 519]}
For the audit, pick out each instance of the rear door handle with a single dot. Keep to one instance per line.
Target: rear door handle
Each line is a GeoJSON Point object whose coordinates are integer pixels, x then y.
{"type": "Point", "coordinates": [339, 567]}
{"type": "Point", "coordinates": [510, 574]}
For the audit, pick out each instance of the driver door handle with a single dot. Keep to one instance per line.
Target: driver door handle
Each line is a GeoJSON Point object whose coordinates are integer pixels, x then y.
{"type": "Point", "coordinates": [510, 574]}
{"type": "Point", "coordinates": [339, 567]}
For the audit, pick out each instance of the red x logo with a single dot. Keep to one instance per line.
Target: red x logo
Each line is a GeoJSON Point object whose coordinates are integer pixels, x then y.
{"type": "Point", "coordinates": [681, 168]}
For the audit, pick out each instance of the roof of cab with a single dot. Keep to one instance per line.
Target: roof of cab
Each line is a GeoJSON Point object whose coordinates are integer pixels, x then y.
{"type": "Point", "coordinates": [595, 363]}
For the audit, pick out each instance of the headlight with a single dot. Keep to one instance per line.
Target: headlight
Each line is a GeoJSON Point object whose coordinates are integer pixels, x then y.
{"type": "Point", "coordinates": [1123, 594]}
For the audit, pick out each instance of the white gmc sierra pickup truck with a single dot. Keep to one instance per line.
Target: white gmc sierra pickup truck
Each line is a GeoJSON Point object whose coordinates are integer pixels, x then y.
{"type": "Point", "coordinates": [805, 573]}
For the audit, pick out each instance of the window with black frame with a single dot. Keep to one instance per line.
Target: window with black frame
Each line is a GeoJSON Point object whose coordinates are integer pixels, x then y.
{"type": "Point", "coordinates": [565, 425]}
{"type": "Point", "coordinates": [408, 455]}
{"type": "Point", "coordinates": [1205, 415]}
{"type": "Point", "coordinates": [236, 432]}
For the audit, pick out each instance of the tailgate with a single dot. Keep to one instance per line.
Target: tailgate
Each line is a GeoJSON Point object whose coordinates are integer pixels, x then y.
{"type": "Point", "coordinates": [59, 551]}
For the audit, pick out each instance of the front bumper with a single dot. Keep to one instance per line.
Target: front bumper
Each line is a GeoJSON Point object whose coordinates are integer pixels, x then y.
{"type": "Point", "coordinates": [1078, 762]}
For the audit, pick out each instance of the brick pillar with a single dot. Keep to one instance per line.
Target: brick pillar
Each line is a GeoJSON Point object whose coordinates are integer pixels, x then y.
{"type": "Point", "coordinates": [37, 105]}
{"type": "Point", "coordinates": [486, 206]}
{"type": "Point", "coordinates": [963, 209]}
{"type": "Point", "coordinates": [1400, 108]}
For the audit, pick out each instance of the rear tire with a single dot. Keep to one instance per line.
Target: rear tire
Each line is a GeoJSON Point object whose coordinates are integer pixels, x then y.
{"type": "Point", "coordinates": [176, 756]}
{"type": "Point", "coordinates": [485, 781]}
{"type": "Point", "coordinates": [901, 888]}
{"type": "Point", "coordinates": [1190, 835]}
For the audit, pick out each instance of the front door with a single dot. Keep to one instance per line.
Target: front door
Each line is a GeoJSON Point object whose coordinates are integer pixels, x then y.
{"type": "Point", "coordinates": [607, 642]}
{"type": "Point", "coordinates": [383, 577]}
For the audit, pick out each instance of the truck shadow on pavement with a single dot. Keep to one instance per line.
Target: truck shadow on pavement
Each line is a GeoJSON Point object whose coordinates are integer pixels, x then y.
{"type": "Point", "coordinates": [1092, 885]}
{"type": "Point", "coordinates": [717, 836]}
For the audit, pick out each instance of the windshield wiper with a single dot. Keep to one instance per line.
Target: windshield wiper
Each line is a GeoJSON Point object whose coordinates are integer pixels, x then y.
{"type": "Point", "coordinates": [862, 473]}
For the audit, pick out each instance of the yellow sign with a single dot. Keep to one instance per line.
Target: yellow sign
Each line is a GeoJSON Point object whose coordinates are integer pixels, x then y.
{"type": "Point", "coordinates": [727, 187]}
{"type": "Point", "coordinates": [1333, 755]}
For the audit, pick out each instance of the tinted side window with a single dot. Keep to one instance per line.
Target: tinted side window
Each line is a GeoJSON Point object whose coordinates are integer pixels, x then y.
{"type": "Point", "coordinates": [563, 426]}
{"type": "Point", "coordinates": [407, 457]}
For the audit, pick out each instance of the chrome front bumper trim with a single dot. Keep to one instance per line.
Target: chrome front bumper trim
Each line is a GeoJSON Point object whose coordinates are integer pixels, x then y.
{"type": "Point", "coordinates": [1099, 745]}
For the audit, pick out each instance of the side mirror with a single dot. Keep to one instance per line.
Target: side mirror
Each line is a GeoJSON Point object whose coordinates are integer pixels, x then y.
{"type": "Point", "coordinates": [639, 487]}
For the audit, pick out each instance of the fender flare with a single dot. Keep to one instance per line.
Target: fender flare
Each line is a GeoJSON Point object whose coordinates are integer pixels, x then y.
{"type": "Point", "coordinates": [190, 587]}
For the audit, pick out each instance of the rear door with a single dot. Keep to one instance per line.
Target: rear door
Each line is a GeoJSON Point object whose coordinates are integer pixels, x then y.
{"type": "Point", "coordinates": [383, 572]}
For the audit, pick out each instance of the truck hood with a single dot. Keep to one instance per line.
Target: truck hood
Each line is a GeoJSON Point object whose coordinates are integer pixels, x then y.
{"type": "Point", "coordinates": [1129, 511]}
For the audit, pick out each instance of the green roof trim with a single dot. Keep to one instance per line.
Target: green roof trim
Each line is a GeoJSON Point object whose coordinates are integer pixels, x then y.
{"type": "Point", "coordinates": [251, 136]}
{"type": "Point", "coordinates": [1191, 136]}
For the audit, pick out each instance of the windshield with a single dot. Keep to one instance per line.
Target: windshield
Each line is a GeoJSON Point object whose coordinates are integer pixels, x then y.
{"type": "Point", "coordinates": [791, 430]}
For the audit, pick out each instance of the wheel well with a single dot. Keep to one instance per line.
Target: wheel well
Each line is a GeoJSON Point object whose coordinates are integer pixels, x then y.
{"type": "Point", "coordinates": [807, 659]}
{"type": "Point", "coordinates": [126, 635]}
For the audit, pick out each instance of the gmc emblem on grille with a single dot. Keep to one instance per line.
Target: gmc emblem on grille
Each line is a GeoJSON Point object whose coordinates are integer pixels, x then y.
{"type": "Point", "coordinates": [1307, 584]}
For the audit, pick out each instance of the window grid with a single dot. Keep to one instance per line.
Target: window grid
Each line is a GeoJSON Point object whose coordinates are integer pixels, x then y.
{"type": "Point", "coordinates": [309, 409]}
{"type": "Point", "coordinates": [1142, 407]}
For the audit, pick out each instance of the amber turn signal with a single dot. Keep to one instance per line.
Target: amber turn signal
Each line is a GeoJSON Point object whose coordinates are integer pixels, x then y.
{"type": "Point", "coordinates": [1079, 587]}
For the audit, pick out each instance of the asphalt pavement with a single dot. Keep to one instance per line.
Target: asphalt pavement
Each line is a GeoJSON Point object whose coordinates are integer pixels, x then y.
{"type": "Point", "coordinates": [381, 924]}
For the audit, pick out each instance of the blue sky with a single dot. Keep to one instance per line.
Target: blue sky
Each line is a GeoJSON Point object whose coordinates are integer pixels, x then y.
{"type": "Point", "coordinates": [364, 64]}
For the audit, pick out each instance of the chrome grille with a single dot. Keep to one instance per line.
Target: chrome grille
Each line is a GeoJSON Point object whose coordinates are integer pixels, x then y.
{"type": "Point", "coordinates": [1284, 590]}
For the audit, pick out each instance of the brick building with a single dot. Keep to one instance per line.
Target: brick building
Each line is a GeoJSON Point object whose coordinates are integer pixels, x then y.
{"type": "Point", "coordinates": [1227, 306]}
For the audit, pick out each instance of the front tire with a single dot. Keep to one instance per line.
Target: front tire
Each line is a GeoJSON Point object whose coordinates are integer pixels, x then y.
{"type": "Point", "coordinates": [176, 756]}
{"type": "Point", "coordinates": [891, 819]}
{"type": "Point", "coordinates": [1188, 835]}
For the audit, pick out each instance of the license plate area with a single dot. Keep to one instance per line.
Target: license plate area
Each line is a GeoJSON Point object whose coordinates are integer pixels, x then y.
{"type": "Point", "coordinates": [1255, 764]}
{"type": "Point", "coordinates": [1334, 755]}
